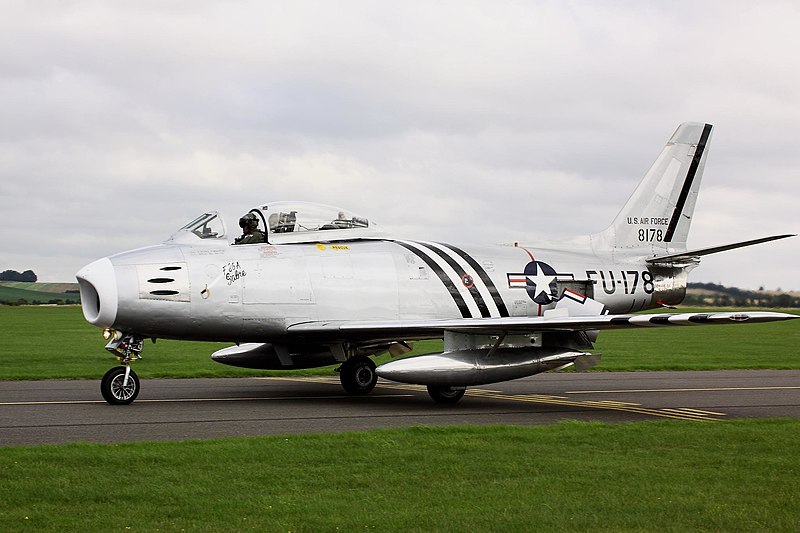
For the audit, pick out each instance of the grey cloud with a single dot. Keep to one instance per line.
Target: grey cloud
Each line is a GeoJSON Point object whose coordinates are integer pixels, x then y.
{"type": "Point", "coordinates": [457, 121]}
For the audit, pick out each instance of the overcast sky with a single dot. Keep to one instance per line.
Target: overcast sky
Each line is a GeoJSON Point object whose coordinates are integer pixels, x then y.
{"type": "Point", "coordinates": [460, 121]}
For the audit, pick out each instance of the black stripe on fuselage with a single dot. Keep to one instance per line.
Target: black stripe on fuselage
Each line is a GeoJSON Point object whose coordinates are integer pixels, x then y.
{"type": "Point", "coordinates": [448, 283]}
{"type": "Point", "coordinates": [498, 300]}
{"type": "Point", "coordinates": [460, 272]}
{"type": "Point", "coordinates": [687, 183]}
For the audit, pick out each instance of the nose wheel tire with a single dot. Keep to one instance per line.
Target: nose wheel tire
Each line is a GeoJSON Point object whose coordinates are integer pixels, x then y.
{"type": "Point", "coordinates": [358, 375]}
{"type": "Point", "coordinates": [114, 388]}
{"type": "Point", "coordinates": [446, 394]}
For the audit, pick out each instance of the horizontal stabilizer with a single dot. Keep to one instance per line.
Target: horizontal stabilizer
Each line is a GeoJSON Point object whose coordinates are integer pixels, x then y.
{"type": "Point", "coordinates": [692, 256]}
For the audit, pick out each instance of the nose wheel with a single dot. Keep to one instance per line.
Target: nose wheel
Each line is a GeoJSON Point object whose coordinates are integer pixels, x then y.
{"type": "Point", "coordinates": [120, 386]}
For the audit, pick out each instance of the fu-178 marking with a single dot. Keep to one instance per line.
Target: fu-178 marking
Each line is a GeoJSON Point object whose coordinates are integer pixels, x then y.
{"type": "Point", "coordinates": [629, 280]}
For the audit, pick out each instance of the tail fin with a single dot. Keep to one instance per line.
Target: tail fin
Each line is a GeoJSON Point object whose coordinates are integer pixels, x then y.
{"type": "Point", "coordinates": [658, 214]}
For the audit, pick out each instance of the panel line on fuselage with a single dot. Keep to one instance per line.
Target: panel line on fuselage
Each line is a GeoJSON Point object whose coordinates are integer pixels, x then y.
{"type": "Point", "coordinates": [469, 283]}
{"type": "Point", "coordinates": [490, 286]}
{"type": "Point", "coordinates": [465, 272]}
{"type": "Point", "coordinates": [445, 279]}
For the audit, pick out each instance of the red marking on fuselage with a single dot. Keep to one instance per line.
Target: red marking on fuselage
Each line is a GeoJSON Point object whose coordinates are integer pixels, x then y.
{"type": "Point", "coordinates": [529, 254]}
{"type": "Point", "coordinates": [575, 293]}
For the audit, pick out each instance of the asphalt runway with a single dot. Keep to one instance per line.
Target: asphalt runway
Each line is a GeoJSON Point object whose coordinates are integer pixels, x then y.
{"type": "Point", "coordinates": [40, 412]}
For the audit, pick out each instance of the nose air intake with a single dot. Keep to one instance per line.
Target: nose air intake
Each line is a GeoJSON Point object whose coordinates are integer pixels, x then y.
{"type": "Point", "coordinates": [98, 285]}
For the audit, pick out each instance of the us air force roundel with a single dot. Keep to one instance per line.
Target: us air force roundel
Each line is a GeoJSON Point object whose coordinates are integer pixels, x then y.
{"type": "Point", "coordinates": [539, 280]}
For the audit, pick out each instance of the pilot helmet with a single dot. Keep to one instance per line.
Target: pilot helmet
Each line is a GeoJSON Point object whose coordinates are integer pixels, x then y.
{"type": "Point", "coordinates": [248, 221]}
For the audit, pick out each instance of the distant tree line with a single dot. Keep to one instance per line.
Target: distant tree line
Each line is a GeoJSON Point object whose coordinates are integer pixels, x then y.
{"type": "Point", "coordinates": [13, 275]}
{"type": "Point", "coordinates": [51, 301]}
{"type": "Point", "coordinates": [722, 296]}
{"type": "Point", "coordinates": [11, 295]}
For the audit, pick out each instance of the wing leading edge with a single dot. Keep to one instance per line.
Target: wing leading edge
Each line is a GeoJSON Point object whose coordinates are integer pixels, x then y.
{"type": "Point", "coordinates": [417, 329]}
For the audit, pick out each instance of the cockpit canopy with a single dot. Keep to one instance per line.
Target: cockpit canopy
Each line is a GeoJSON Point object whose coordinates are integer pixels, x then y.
{"type": "Point", "coordinates": [307, 222]}
{"type": "Point", "coordinates": [206, 226]}
{"type": "Point", "coordinates": [289, 222]}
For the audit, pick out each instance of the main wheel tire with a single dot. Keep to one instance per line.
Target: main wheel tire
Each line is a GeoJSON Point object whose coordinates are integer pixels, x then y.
{"type": "Point", "coordinates": [358, 375]}
{"type": "Point", "coordinates": [113, 390]}
{"type": "Point", "coordinates": [446, 394]}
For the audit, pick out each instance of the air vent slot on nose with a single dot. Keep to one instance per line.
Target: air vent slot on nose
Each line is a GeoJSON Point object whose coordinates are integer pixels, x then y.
{"type": "Point", "coordinates": [164, 293]}
{"type": "Point", "coordinates": [164, 281]}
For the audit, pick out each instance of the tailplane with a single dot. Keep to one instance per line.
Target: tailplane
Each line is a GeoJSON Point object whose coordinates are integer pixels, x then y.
{"type": "Point", "coordinates": [656, 218]}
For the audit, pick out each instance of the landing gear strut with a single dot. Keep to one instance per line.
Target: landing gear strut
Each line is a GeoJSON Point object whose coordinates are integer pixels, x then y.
{"type": "Point", "coordinates": [358, 375]}
{"type": "Point", "coordinates": [120, 385]}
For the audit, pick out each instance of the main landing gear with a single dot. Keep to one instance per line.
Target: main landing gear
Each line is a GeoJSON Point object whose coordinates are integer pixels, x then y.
{"type": "Point", "coordinates": [120, 385]}
{"type": "Point", "coordinates": [358, 375]}
{"type": "Point", "coordinates": [446, 395]}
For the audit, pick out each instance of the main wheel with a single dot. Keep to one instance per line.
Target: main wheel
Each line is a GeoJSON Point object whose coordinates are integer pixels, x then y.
{"type": "Point", "coordinates": [114, 389]}
{"type": "Point", "coordinates": [358, 375]}
{"type": "Point", "coordinates": [446, 394]}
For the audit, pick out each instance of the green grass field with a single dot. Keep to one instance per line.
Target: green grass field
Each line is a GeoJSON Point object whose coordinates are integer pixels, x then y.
{"type": "Point", "coordinates": [652, 476]}
{"type": "Point", "coordinates": [40, 286]}
{"type": "Point", "coordinates": [667, 476]}
{"type": "Point", "coordinates": [19, 292]}
{"type": "Point", "coordinates": [56, 342]}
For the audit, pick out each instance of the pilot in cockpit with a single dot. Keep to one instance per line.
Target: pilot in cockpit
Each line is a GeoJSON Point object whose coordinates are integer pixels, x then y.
{"type": "Point", "coordinates": [250, 232]}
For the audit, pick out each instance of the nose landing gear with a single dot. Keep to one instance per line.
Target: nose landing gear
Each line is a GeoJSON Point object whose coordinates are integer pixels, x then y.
{"type": "Point", "coordinates": [120, 385]}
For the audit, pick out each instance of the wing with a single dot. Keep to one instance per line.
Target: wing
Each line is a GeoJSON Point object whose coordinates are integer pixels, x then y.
{"type": "Point", "coordinates": [424, 329]}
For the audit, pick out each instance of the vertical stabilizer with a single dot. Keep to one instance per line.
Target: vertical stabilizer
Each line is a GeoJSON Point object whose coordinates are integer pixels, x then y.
{"type": "Point", "coordinates": [658, 214]}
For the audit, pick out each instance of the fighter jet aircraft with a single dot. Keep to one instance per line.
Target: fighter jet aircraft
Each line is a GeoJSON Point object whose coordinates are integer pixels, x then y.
{"type": "Point", "coordinates": [327, 286]}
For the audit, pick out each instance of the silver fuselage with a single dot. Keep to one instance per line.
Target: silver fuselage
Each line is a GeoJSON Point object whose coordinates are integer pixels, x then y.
{"type": "Point", "coordinates": [253, 293]}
